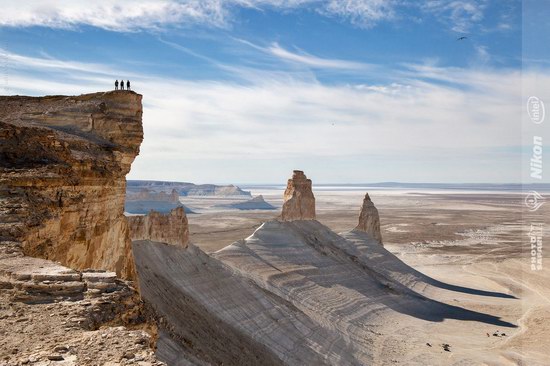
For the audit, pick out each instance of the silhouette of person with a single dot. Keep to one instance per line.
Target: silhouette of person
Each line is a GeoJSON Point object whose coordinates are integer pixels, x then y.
{"type": "Point", "coordinates": [116, 84]}
{"type": "Point", "coordinates": [122, 85]}
{"type": "Point", "coordinates": [128, 85]}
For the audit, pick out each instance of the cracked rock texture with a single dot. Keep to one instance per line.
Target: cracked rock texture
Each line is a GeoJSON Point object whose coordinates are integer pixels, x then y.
{"type": "Point", "coordinates": [171, 228]}
{"type": "Point", "coordinates": [299, 202]}
{"type": "Point", "coordinates": [63, 162]}
{"type": "Point", "coordinates": [149, 195]}
{"type": "Point", "coordinates": [54, 315]}
{"type": "Point", "coordinates": [369, 221]}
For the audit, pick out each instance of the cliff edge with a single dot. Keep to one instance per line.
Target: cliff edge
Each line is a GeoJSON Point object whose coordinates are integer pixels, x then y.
{"type": "Point", "coordinates": [63, 162]}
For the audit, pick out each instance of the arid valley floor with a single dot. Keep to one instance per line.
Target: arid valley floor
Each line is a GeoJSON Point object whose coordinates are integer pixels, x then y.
{"type": "Point", "coordinates": [466, 238]}
{"type": "Point", "coordinates": [307, 280]}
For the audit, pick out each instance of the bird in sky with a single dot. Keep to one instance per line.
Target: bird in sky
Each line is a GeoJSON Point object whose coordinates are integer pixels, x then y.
{"type": "Point", "coordinates": [461, 38]}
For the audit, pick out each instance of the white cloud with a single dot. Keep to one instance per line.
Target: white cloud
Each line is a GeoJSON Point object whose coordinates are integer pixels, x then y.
{"type": "Point", "coordinates": [306, 59]}
{"type": "Point", "coordinates": [313, 61]}
{"type": "Point", "coordinates": [134, 15]}
{"type": "Point", "coordinates": [460, 16]}
{"type": "Point", "coordinates": [483, 55]}
{"type": "Point", "coordinates": [439, 116]}
{"type": "Point", "coordinates": [117, 15]}
{"type": "Point", "coordinates": [361, 13]}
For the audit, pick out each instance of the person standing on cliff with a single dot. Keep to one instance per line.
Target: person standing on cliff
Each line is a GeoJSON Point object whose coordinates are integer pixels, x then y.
{"type": "Point", "coordinates": [127, 84]}
{"type": "Point", "coordinates": [122, 85]}
{"type": "Point", "coordinates": [116, 84]}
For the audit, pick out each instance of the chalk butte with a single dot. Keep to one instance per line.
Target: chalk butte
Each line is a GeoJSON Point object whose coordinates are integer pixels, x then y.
{"type": "Point", "coordinates": [369, 221]}
{"type": "Point", "coordinates": [148, 195]}
{"type": "Point", "coordinates": [186, 188]}
{"type": "Point", "coordinates": [171, 228]}
{"type": "Point", "coordinates": [299, 202]}
{"type": "Point", "coordinates": [63, 167]}
{"type": "Point", "coordinates": [294, 293]}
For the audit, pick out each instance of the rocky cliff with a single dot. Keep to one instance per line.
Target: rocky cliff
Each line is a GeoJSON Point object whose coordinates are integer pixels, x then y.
{"type": "Point", "coordinates": [149, 195]}
{"type": "Point", "coordinates": [299, 202]}
{"type": "Point", "coordinates": [369, 221]}
{"type": "Point", "coordinates": [171, 228]}
{"type": "Point", "coordinates": [186, 188]}
{"type": "Point", "coordinates": [63, 162]}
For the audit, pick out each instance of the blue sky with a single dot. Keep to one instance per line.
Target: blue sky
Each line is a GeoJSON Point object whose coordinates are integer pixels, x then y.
{"type": "Point", "coordinates": [245, 91]}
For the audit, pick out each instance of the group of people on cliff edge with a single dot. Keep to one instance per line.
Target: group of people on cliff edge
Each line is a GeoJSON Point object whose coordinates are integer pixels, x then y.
{"type": "Point", "coordinates": [122, 84]}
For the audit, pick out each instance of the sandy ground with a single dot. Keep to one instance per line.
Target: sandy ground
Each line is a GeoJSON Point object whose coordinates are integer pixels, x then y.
{"type": "Point", "coordinates": [472, 239]}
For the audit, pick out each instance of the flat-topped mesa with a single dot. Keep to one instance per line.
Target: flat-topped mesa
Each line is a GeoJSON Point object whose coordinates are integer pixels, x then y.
{"type": "Point", "coordinates": [63, 165]}
{"type": "Point", "coordinates": [369, 221]}
{"type": "Point", "coordinates": [299, 201]}
{"type": "Point", "coordinates": [149, 195]}
{"type": "Point", "coordinates": [171, 228]}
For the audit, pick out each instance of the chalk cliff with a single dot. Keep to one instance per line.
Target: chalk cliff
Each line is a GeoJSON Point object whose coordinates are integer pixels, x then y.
{"type": "Point", "coordinates": [369, 221]}
{"type": "Point", "coordinates": [186, 188]}
{"type": "Point", "coordinates": [148, 195]}
{"type": "Point", "coordinates": [292, 293]}
{"type": "Point", "coordinates": [299, 202]}
{"type": "Point", "coordinates": [171, 228]}
{"type": "Point", "coordinates": [63, 162]}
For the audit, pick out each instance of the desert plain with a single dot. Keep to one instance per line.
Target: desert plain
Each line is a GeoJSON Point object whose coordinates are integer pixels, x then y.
{"type": "Point", "coordinates": [474, 239]}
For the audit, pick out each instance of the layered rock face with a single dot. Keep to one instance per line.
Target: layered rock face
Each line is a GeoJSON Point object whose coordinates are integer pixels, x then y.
{"type": "Point", "coordinates": [299, 202]}
{"type": "Point", "coordinates": [369, 221]}
{"type": "Point", "coordinates": [186, 188]}
{"type": "Point", "coordinates": [148, 195]}
{"type": "Point", "coordinates": [169, 228]}
{"type": "Point", "coordinates": [63, 162]}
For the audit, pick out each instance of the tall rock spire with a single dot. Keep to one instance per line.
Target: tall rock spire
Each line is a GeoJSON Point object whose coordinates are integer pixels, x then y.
{"type": "Point", "coordinates": [299, 202]}
{"type": "Point", "coordinates": [369, 221]}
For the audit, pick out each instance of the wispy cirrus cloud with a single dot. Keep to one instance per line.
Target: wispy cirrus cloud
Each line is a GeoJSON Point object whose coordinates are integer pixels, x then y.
{"type": "Point", "coordinates": [435, 116]}
{"type": "Point", "coordinates": [362, 13]}
{"type": "Point", "coordinates": [460, 15]}
{"type": "Point", "coordinates": [158, 15]}
{"type": "Point", "coordinates": [313, 61]}
{"type": "Point", "coordinates": [303, 58]}
{"type": "Point", "coordinates": [115, 15]}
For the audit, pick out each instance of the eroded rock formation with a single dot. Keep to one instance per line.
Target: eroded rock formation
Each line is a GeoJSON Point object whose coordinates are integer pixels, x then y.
{"type": "Point", "coordinates": [171, 228]}
{"type": "Point", "coordinates": [292, 293]}
{"type": "Point", "coordinates": [369, 221]}
{"type": "Point", "coordinates": [63, 162]}
{"type": "Point", "coordinates": [53, 312]}
{"type": "Point", "coordinates": [149, 195]}
{"type": "Point", "coordinates": [256, 203]}
{"type": "Point", "coordinates": [186, 188]}
{"type": "Point", "coordinates": [299, 202]}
